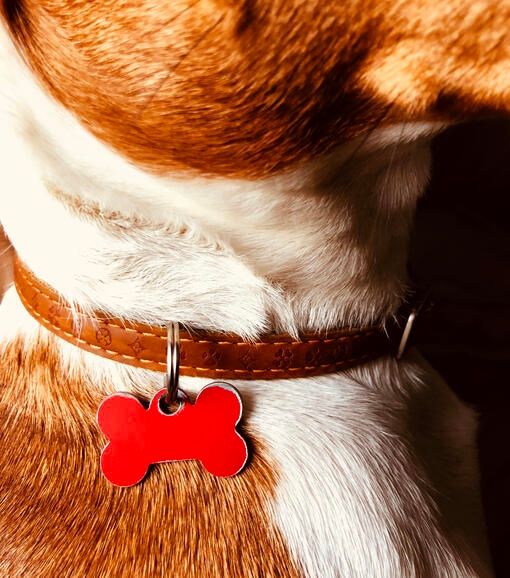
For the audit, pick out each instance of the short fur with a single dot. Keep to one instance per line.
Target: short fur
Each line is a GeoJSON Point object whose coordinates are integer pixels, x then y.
{"type": "Point", "coordinates": [245, 167]}
{"type": "Point", "coordinates": [172, 85]}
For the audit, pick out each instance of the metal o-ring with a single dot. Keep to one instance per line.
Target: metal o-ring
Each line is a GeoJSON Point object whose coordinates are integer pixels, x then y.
{"type": "Point", "coordinates": [172, 363]}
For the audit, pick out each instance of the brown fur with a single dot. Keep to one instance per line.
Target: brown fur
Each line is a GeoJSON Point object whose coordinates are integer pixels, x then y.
{"type": "Point", "coordinates": [246, 88]}
{"type": "Point", "coordinates": [61, 508]}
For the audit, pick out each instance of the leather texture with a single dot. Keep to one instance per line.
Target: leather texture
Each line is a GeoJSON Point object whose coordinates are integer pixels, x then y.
{"type": "Point", "coordinates": [202, 354]}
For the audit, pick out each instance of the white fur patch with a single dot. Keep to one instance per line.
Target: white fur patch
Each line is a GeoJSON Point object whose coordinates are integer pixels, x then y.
{"type": "Point", "coordinates": [355, 499]}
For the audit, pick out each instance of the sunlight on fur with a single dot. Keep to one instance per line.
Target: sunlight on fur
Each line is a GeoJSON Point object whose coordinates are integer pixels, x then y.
{"type": "Point", "coordinates": [246, 168]}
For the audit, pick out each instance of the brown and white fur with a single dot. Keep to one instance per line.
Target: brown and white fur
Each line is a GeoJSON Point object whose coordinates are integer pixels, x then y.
{"type": "Point", "coordinates": [241, 167]}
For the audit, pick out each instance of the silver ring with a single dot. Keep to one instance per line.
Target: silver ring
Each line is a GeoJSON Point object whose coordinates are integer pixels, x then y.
{"type": "Point", "coordinates": [411, 319]}
{"type": "Point", "coordinates": [172, 363]}
{"type": "Point", "coordinates": [402, 346]}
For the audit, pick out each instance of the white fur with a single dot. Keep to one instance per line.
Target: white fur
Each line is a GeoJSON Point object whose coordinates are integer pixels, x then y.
{"type": "Point", "coordinates": [321, 246]}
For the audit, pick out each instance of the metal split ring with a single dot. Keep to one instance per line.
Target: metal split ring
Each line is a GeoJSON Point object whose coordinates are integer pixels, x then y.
{"type": "Point", "coordinates": [421, 303]}
{"type": "Point", "coordinates": [172, 363]}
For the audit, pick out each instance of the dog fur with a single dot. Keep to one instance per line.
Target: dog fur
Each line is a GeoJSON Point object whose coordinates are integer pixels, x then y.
{"type": "Point", "coordinates": [245, 169]}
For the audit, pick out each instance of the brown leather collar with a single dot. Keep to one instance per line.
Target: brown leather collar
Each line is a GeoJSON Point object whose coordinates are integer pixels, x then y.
{"type": "Point", "coordinates": [202, 354]}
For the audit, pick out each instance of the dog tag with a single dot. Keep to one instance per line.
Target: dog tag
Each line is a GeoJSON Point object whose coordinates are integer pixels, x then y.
{"type": "Point", "coordinates": [204, 431]}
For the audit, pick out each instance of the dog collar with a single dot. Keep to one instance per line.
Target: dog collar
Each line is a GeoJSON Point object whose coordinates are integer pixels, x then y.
{"type": "Point", "coordinates": [202, 354]}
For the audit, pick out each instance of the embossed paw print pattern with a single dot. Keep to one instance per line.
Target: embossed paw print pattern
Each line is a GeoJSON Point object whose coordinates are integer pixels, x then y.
{"type": "Point", "coordinates": [210, 358]}
{"type": "Point", "coordinates": [283, 358]}
{"type": "Point", "coordinates": [104, 337]}
{"type": "Point", "coordinates": [248, 360]}
{"type": "Point", "coordinates": [137, 347]}
{"type": "Point", "coordinates": [55, 312]}
{"type": "Point", "coordinates": [204, 431]}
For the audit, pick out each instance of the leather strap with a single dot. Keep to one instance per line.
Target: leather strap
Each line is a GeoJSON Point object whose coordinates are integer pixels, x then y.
{"type": "Point", "coordinates": [202, 354]}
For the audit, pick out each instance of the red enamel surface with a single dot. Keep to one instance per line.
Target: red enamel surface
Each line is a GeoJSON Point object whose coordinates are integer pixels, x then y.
{"type": "Point", "coordinates": [205, 431]}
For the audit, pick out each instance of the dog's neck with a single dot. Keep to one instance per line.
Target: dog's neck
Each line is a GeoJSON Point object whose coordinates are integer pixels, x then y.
{"type": "Point", "coordinates": [322, 246]}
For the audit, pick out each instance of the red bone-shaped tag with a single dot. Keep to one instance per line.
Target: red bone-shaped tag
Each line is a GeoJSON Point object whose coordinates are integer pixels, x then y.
{"type": "Point", "coordinates": [202, 431]}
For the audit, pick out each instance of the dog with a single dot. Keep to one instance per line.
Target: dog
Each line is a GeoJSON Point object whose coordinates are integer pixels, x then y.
{"type": "Point", "coordinates": [247, 169]}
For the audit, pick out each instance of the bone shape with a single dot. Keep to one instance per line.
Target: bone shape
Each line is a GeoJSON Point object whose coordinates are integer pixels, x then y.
{"type": "Point", "coordinates": [139, 437]}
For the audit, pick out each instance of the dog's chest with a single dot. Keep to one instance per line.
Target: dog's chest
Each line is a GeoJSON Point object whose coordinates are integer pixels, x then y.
{"type": "Point", "coordinates": [61, 517]}
{"type": "Point", "coordinates": [326, 455]}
